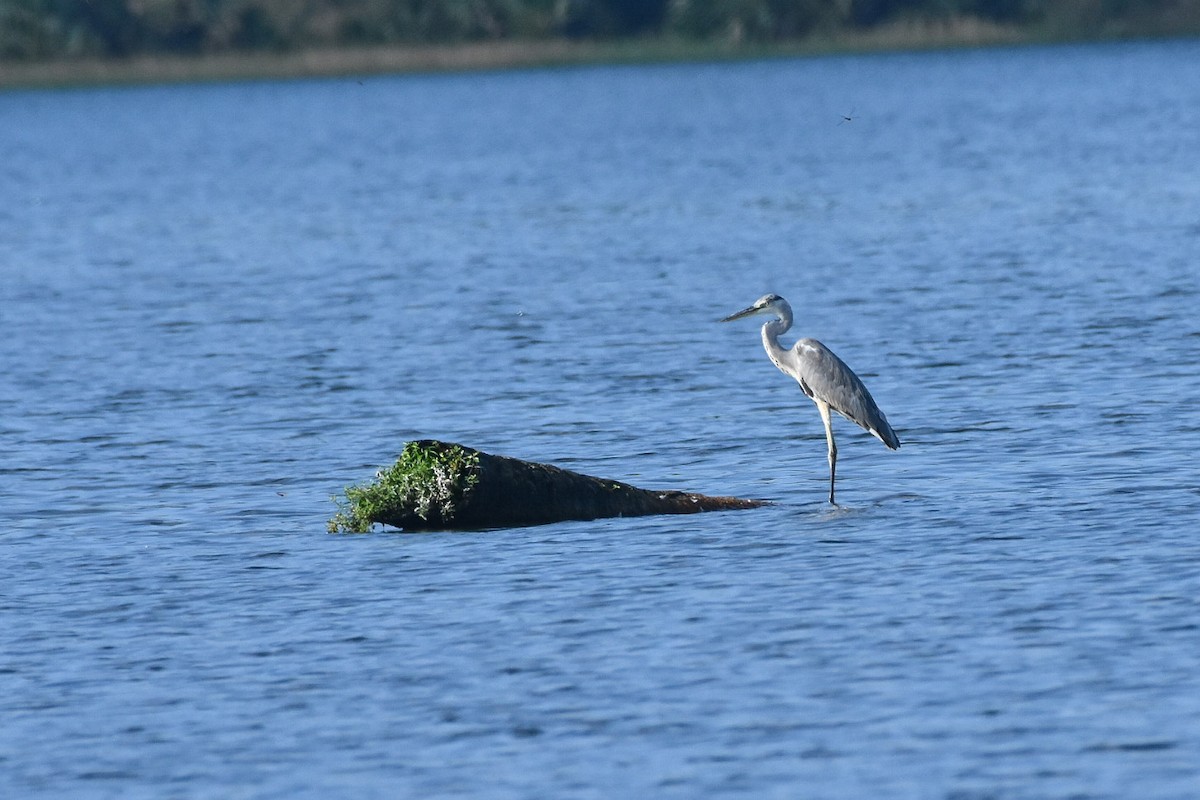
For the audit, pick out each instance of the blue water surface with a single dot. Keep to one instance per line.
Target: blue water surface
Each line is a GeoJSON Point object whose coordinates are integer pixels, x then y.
{"type": "Point", "coordinates": [221, 304]}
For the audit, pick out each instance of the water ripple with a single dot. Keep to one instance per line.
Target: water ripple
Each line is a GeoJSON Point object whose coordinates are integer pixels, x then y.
{"type": "Point", "coordinates": [201, 348]}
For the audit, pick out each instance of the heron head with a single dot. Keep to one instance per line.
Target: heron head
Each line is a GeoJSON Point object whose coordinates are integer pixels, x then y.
{"type": "Point", "coordinates": [771, 304]}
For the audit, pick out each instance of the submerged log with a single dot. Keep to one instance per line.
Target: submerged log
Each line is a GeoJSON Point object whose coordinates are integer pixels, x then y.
{"type": "Point", "coordinates": [443, 486]}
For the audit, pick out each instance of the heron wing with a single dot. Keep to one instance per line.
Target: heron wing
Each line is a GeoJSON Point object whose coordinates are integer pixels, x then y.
{"type": "Point", "coordinates": [824, 376]}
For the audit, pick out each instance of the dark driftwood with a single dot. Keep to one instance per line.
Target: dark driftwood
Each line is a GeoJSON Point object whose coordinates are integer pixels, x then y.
{"type": "Point", "coordinates": [496, 491]}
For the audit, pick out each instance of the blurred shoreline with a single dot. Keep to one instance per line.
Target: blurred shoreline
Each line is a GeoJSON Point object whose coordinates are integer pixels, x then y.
{"type": "Point", "coordinates": [503, 54]}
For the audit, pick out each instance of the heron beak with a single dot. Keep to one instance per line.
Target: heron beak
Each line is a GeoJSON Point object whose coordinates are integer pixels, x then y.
{"type": "Point", "coordinates": [745, 312]}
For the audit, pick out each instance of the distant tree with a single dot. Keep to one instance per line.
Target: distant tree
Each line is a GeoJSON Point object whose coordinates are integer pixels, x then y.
{"type": "Point", "coordinates": [791, 19]}
{"type": "Point", "coordinates": [609, 18]}
{"type": "Point", "coordinates": [253, 29]}
{"type": "Point", "coordinates": [867, 13]}
{"type": "Point", "coordinates": [26, 31]}
{"type": "Point", "coordinates": [111, 22]}
{"type": "Point", "coordinates": [761, 20]}
{"type": "Point", "coordinates": [34, 29]}
{"type": "Point", "coordinates": [379, 21]}
{"type": "Point", "coordinates": [1013, 11]}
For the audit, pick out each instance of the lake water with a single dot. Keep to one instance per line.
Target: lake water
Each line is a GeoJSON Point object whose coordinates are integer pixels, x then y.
{"type": "Point", "coordinates": [222, 304]}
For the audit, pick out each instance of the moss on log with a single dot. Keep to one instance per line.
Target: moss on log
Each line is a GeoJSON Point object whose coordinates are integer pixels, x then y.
{"type": "Point", "coordinates": [443, 486]}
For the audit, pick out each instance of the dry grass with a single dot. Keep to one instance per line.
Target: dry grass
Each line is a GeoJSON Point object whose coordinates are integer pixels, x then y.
{"type": "Point", "coordinates": [957, 32]}
{"type": "Point", "coordinates": [340, 61]}
{"type": "Point", "coordinates": [919, 34]}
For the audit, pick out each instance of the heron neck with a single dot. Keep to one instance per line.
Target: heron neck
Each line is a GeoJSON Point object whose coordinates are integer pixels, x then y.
{"type": "Point", "coordinates": [770, 337]}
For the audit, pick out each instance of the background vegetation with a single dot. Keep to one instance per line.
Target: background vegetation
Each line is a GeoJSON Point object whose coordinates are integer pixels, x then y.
{"type": "Point", "coordinates": [39, 30]}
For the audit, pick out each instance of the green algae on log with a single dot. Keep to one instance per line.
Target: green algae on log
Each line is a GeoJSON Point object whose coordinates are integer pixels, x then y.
{"type": "Point", "coordinates": [443, 486]}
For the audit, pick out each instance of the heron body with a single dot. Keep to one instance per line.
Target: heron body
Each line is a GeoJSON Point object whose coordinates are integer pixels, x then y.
{"type": "Point", "coordinates": [822, 376]}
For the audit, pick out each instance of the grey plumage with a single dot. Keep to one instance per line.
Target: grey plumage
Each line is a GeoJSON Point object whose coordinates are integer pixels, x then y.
{"type": "Point", "coordinates": [822, 376]}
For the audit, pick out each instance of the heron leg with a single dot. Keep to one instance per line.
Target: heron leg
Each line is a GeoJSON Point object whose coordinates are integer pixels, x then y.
{"type": "Point", "coordinates": [823, 407]}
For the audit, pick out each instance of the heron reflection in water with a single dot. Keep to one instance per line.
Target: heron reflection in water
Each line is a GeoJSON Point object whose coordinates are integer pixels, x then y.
{"type": "Point", "coordinates": [822, 376]}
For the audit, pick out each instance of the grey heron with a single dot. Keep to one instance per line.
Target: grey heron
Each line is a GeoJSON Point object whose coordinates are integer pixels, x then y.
{"type": "Point", "coordinates": [822, 376]}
